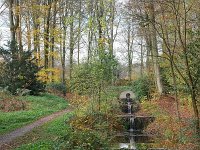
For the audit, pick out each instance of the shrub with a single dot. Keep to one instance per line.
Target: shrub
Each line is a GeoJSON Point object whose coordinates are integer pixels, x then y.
{"type": "Point", "coordinates": [82, 140]}
{"type": "Point", "coordinates": [88, 78]}
{"type": "Point", "coordinates": [96, 121]}
{"type": "Point", "coordinates": [56, 88]}
{"type": "Point", "coordinates": [166, 76]}
{"type": "Point", "coordinates": [83, 80]}
{"type": "Point", "coordinates": [19, 70]}
{"type": "Point", "coordinates": [142, 87]}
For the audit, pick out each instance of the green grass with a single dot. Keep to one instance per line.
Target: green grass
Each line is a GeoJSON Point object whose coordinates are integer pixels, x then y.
{"type": "Point", "coordinates": [47, 134]}
{"type": "Point", "coordinates": [38, 106]}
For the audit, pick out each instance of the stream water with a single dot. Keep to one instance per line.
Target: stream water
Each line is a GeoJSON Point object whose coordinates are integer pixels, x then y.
{"type": "Point", "coordinates": [134, 124]}
{"type": "Point", "coordinates": [131, 145]}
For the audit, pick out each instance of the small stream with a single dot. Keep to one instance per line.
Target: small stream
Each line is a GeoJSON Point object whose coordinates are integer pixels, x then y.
{"type": "Point", "coordinates": [134, 125]}
{"type": "Point", "coordinates": [131, 144]}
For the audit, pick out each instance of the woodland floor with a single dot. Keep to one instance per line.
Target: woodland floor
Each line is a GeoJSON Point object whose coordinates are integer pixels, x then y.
{"type": "Point", "coordinates": [167, 104]}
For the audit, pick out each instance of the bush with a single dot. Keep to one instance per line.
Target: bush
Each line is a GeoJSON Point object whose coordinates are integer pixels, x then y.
{"type": "Point", "coordinates": [82, 140]}
{"type": "Point", "coordinates": [142, 87]}
{"type": "Point", "coordinates": [88, 78]}
{"type": "Point", "coordinates": [19, 71]}
{"type": "Point", "coordinates": [166, 76]}
{"type": "Point", "coordinates": [56, 88]}
{"type": "Point", "coordinates": [83, 81]}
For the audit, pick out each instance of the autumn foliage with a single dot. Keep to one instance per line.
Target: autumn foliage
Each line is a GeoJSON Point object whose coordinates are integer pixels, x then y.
{"type": "Point", "coordinates": [169, 131]}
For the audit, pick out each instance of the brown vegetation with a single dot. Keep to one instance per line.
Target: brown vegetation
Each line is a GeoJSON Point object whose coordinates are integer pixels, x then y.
{"type": "Point", "coordinates": [167, 127]}
{"type": "Point", "coordinates": [8, 105]}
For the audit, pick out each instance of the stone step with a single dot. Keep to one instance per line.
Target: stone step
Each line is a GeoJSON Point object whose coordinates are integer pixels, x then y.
{"type": "Point", "coordinates": [134, 116]}
{"type": "Point", "coordinates": [156, 149]}
{"type": "Point", "coordinates": [138, 138]}
{"type": "Point", "coordinates": [140, 149]}
{"type": "Point", "coordinates": [135, 135]}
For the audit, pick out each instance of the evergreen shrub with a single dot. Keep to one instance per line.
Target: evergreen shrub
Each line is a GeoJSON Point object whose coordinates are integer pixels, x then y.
{"type": "Point", "coordinates": [142, 87]}
{"type": "Point", "coordinates": [19, 70]}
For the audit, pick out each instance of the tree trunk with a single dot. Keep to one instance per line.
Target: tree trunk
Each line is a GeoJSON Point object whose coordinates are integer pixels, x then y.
{"type": "Point", "coordinates": [19, 30]}
{"type": "Point", "coordinates": [141, 58]}
{"type": "Point", "coordinates": [90, 35]}
{"type": "Point", "coordinates": [100, 12]}
{"type": "Point", "coordinates": [28, 31]}
{"type": "Point", "coordinates": [53, 38]}
{"type": "Point", "coordinates": [148, 48]}
{"type": "Point", "coordinates": [14, 23]}
{"type": "Point", "coordinates": [71, 40]}
{"type": "Point", "coordinates": [111, 40]}
{"type": "Point", "coordinates": [112, 5]}
{"type": "Point", "coordinates": [63, 54]}
{"type": "Point", "coordinates": [155, 49]}
{"type": "Point", "coordinates": [129, 52]}
{"type": "Point", "coordinates": [79, 29]}
{"type": "Point", "coordinates": [36, 34]}
{"type": "Point", "coordinates": [46, 35]}
{"type": "Point", "coordinates": [175, 89]}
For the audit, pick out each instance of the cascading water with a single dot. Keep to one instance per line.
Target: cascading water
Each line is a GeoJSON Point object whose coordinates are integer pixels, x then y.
{"type": "Point", "coordinates": [129, 108]}
{"type": "Point", "coordinates": [132, 124]}
{"type": "Point", "coordinates": [131, 145]}
{"type": "Point", "coordinates": [131, 121]}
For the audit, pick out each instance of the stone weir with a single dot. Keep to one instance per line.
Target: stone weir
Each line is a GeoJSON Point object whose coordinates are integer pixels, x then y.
{"type": "Point", "coordinates": [133, 125]}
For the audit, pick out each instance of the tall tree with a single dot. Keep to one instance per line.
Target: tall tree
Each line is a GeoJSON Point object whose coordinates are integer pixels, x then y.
{"type": "Point", "coordinates": [91, 25]}
{"type": "Point", "coordinates": [155, 47]}
{"type": "Point", "coordinates": [13, 18]}
{"type": "Point", "coordinates": [63, 14]}
{"type": "Point", "coordinates": [79, 28]}
{"type": "Point", "coordinates": [130, 48]}
{"type": "Point", "coordinates": [46, 33]}
{"type": "Point", "coordinates": [183, 39]}
{"type": "Point", "coordinates": [53, 36]}
{"type": "Point", "coordinates": [71, 40]}
{"type": "Point", "coordinates": [36, 14]}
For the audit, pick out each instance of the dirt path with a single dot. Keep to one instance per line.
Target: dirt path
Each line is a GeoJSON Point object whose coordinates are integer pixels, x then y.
{"type": "Point", "coordinates": [7, 138]}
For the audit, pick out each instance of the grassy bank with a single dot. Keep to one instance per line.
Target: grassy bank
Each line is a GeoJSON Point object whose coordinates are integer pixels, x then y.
{"type": "Point", "coordinates": [37, 107]}
{"type": "Point", "coordinates": [44, 137]}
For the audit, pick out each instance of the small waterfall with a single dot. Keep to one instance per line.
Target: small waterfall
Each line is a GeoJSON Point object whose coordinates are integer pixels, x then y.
{"type": "Point", "coordinates": [129, 108]}
{"type": "Point", "coordinates": [132, 143]}
{"type": "Point", "coordinates": [132, 126]}
{"type": "Point", "coordinates": [133, 123]}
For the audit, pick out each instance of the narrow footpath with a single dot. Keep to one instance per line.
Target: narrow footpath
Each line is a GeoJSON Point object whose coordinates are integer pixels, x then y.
{"type": "Point", "coordinates": [9, 137]}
